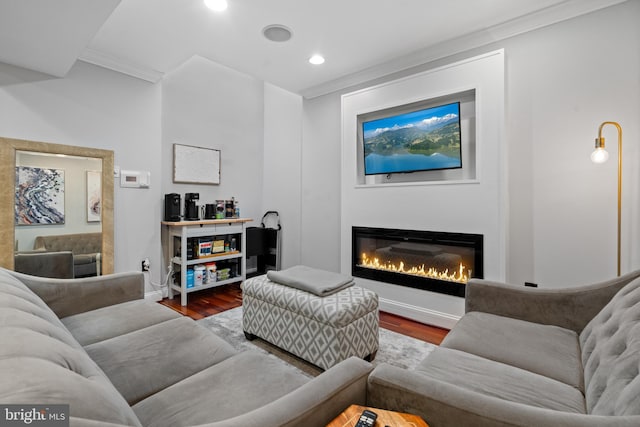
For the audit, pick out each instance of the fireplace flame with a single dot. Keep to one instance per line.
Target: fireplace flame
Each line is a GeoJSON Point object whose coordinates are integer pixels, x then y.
{"type": "Point", "coordinates": [461, 275]}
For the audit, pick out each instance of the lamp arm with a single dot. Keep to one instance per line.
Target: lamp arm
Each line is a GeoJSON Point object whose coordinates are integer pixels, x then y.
{"type": "Point", "coordinates": [616, 124]}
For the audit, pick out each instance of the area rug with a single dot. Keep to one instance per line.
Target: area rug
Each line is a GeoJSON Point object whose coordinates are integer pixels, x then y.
{"type": "Point", "coordinates": [394, 348]}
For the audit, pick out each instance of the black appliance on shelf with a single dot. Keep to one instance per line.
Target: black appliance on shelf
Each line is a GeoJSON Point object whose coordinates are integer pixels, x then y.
{"type": "Point", "coordinates": [172, 207]}
{"type": "Point", "coordinates": [209, 211]}
{"type": "Point", "coordinates": [190, 207]}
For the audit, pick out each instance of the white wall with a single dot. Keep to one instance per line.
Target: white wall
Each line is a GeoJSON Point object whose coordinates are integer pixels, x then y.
{"type": "Point", "coordinates": [200, 103]}
{"type": "Point", "coordinates": [95, 107]}
{"type": "Point", "coordinates": [205, 104]}
{"type": "Point", "coordinates": [258, 129]}
{"type": "Point", "coordinates": [282, 166]}
{"type": "Point", "coordinates": [321, 177]}
{"type": "Point", "coordinates": [562, 81]}
{"type": "Point", "coordinates": [471, 205]}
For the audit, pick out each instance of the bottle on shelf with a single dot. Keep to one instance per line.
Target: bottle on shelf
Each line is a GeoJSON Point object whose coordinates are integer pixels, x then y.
{"type": "Point", "coordinates": [211, 272]}
{"type": "Point", "coordinates": [190, 281]}
{"type": "Point", "coordinates": [198, 275]}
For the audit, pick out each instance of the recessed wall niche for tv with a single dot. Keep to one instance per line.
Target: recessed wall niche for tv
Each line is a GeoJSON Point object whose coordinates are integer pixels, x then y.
{"type": "Point", "coordinates": [430, 140]}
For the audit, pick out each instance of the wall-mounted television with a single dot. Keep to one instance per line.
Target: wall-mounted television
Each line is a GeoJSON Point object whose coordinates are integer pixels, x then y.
{"type": "Point", "coordinates": [419, 140]}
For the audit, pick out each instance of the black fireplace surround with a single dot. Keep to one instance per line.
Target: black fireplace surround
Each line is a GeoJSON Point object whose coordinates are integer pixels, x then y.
{"type": "Point", "coordinates": [430, 260]}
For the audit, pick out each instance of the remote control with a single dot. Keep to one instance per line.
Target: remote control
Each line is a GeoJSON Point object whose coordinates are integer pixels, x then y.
{"type": "Point", "coordinates": [367, 419]}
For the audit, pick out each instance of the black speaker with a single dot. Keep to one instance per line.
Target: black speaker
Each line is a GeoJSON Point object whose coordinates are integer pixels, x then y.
{"type": "Point", "coordinates": [172, 207]}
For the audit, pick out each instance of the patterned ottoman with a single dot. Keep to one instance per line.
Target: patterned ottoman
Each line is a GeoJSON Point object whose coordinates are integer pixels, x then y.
{"type": "Point", "coordinates": [321, 330]}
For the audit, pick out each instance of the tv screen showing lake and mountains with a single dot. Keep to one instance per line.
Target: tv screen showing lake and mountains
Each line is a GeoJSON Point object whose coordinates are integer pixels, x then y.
{"type": "Point", "coordinates": [427, 139]}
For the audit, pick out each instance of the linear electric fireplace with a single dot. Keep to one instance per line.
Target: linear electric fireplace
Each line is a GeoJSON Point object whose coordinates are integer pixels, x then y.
{"type": "Point", "coordinates": [434, 261]}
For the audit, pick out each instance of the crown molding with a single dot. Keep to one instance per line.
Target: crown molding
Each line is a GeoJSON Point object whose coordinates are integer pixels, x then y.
{"type": "Point", "coordinates": [542, 18]}
{"type": "Point", "coordinates": [120, 65]}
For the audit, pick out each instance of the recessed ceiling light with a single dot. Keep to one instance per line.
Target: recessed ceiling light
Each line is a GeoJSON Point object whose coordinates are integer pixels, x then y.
{"type": "Point", "coordinates": [316, 59]}
{"type": "Point", "coordinates": [216, 5]}
{"type": "Point", "coordinates": [276, 33]}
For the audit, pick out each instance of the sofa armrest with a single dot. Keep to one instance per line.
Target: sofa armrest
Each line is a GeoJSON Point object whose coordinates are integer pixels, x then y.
{"type": "Point", "coordinates": [72, 296]}
{"type": "Point", "coordinates": [443, 404]}
{"type": "Point", "coordinates": [44, 264]}
{"type": "Point", "coordinates": [314, 404]}
{"type": "Point", "coordinates": [570, 308]}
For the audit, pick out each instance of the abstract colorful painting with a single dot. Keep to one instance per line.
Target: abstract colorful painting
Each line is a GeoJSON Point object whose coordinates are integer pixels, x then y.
{"type": "Point", "coordinates": [94, 196]}
{"type": "Point", "coordinates": [39, 196]}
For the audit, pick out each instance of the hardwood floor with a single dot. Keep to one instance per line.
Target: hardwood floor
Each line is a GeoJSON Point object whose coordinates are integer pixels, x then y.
{"type": "Point", "coordinates": [212, 301]}
{"type": "Point", "coordinates": [208, 302]}
{"type": "Point", "coordinates": [421, 331]}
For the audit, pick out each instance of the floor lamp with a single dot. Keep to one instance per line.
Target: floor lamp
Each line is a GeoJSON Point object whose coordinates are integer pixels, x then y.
{"type": "Point", "coordinates": [600, 155]}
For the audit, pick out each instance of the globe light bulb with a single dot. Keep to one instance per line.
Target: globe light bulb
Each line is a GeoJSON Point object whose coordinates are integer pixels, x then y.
{"type": "Point", "coordinates": [599, 155]}
{"type": "Point", "coordinates": [216, 5]}
{"type": "Point", "coordinates": [316, 60]}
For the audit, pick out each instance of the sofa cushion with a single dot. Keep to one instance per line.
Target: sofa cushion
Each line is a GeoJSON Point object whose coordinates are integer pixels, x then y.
{"type": "Point", "coordinates": [501, 381]}
{"type": "Point", "coordinates": [13, 317]}
{"type": "Point", "coordinates": [148, 360]}
{"type": "Point", "coordinates": [21, 342]}
{"type": "Point", "coordinates": [235, 386]}
{"type": "Point", "coordinates": [39, 368]}
{"type": "Point", "coordinates": [547, 350]}
{"type": "Point", "coordinates": [19, 306]}
{"type": "Point", "coordinates": [17, 302]}
{"type": "Point", "coordinates": [108, 322]}
{"type": "Point", "coordinates": [84, 259]}
{"type": "Point", "coordinates": [12, 287]}
{"type": "Point", "coordinates": [6, 278]}
{"type": "Point", "coordinates": [611, 355]}
{"type": "Point", "coordinates": [35, 380]}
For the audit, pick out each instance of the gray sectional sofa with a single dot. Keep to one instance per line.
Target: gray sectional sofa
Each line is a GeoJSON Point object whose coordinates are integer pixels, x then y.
{"type": "Point", "coordinates": [118, 360]}
{"type": "Point", "coordinates": [528, 357]}
{"type": "Point", "coordinates": [518, 357]}
{"type": "Point", "coordinates": [86, 249]}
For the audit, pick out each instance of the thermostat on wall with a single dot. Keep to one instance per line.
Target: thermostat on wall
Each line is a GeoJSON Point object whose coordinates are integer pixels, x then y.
{"type": "Point", "coordinates": [135, 179]}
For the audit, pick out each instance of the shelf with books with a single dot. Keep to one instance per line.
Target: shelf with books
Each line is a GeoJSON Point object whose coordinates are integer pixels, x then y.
{"type": "Point", "coordinates": [205, 254]}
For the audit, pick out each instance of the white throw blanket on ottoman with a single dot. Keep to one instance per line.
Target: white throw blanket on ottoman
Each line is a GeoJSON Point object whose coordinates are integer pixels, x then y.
{"type": "Point", "coordinates": [322, 330]}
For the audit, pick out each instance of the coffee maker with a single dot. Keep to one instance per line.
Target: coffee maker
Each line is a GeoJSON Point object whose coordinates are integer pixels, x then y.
{"type": "Point", "coordinates": [209, 211]}
{"type": "Point", "coordinates": [190, 207]}
{"type": "Point", "coordinates": [172, 207]}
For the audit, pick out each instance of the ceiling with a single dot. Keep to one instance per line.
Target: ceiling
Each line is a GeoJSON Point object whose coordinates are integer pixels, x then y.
{"type": "Point", "coordinates": [360, 39]}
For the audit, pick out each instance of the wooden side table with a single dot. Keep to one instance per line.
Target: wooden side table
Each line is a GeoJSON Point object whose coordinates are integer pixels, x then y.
{"type": "Point", "coordinates": [350, 416]}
